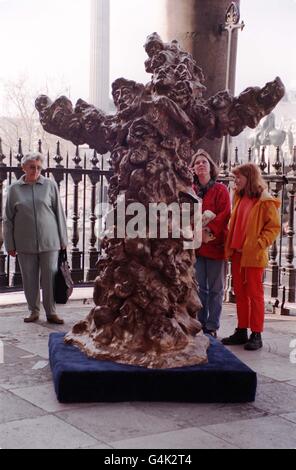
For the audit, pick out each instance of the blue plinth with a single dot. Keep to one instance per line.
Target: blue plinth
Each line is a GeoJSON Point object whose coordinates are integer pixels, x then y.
{"type": "Point", "coordinates": [77, 378]}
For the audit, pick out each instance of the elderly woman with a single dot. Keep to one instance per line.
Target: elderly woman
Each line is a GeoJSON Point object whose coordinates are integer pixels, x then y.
{"type": "Point", "coordinates": [35, 229]}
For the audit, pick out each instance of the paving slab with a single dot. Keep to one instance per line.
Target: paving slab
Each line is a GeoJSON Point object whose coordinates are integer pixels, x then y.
{"type": "Point", "coordinates": [271, 432]}
{"type": "Point", "coordinates": [28, 400]}
{"type": "Point", "coordinates": [99, 446]}
{"type": "Point", "coordinates": [292, 382]}
{"type": "Point", "coordinates": [279, 325]}
{"type": "Point", "coordinates": [273, 324]}
{"type": "Point", "coordinates": [12, 325]}
{"type": "Point", "coordinates": [18, 369]}
{"type": "Point", "coordinates": [199, 414]}
{"type": "Point", "coordinates": [289, 417]}
{"type": "Point", "coordinates": [18, 298]}
{"type": "Point", "coordinates": [266, 363]}
{"type": "Point", "coordinates": [46, 432]}
{"type": "Point", "coordinates": [280, 345]}
{"type": "Point", "coordinates": [13, 408]}
{"type": "Point", "coordinates": [276, 398]}
{"type": "Point", "coordinates": [109, 422]}
{"type": "Point", "coordinates": [190, 438]}
{"type": "Point", "coordinates": [45, 398]}
{"type": "Point", "coordinates": [262, 379]}
{"type": "Point", "coordinates": [37, 347]}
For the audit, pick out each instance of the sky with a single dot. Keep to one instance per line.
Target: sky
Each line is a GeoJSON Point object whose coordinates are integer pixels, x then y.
{"type": "Point", "coordinates": [47, 41]}
{"type": "Point", "coordinates": [266, 46]}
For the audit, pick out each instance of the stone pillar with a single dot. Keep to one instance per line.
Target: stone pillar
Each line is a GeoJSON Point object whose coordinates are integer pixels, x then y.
{"type": "Point", "coordinates": [195, 24]}
{"type": "Point", "coordinates": [99, 54]}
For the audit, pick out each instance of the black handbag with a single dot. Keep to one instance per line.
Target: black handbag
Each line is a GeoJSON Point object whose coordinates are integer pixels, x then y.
{"type": "Point", "coordinates": [63, 284]}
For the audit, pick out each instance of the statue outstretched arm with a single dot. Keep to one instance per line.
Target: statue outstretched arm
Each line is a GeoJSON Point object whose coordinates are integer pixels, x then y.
{"type": "Point", "coordinates": [224, 114]}
{"type": "Point", "coordinates": [84, 124]}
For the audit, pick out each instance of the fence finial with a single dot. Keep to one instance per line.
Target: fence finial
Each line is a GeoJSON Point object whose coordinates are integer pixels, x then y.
{"type": "Point", "coordinates": [19, 154]}
{"type": "Point", "coordinates": [262, 164]}
{"type": "Point", "coordinates": [77, 158]}
{"type": "Point", "coordinates": [277, 165]}
{"type": "Point", "coordinates": [58, 158]}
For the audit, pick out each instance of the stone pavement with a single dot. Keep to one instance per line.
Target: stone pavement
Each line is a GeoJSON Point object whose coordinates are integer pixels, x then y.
{"type": "Point", "coordinates": [31, 417]}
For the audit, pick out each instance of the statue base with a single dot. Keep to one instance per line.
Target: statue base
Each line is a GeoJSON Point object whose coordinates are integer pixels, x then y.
{"type": "Point", "coordinates": [77, 378]}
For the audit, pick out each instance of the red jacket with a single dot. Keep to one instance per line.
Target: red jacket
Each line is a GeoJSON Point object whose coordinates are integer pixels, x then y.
{"type": "Point", "coordinates": [217, 200]}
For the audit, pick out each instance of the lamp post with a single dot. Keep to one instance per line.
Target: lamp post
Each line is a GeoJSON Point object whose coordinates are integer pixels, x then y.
{"type": "Point", "coordinates": [232, 23]}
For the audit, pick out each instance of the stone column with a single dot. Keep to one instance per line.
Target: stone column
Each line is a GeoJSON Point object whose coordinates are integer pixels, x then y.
{"type": "Point", "coordinates": [99, 54]}
{"type": "Point", "coordinates": [195, 24]}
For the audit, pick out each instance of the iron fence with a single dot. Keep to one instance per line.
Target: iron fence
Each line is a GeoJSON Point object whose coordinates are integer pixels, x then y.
{"type": "Point", "coordinates": [280, 275]}
{"type": "Point", "coordinates": [83, 182]}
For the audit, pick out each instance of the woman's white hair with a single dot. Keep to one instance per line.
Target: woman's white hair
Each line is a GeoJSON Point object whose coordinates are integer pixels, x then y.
{"type": "Point", "coordinates": [32, 156]}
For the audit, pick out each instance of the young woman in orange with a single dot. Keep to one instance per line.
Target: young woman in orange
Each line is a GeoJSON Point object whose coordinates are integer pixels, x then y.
{"type": "Point", "coordinates": [254, 225]}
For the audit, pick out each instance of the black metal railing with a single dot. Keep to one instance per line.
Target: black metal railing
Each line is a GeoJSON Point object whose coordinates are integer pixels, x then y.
{"type": "Point", "coordinates": [83, 182]}
{"type": "Point", "coordinates": [280, 275]}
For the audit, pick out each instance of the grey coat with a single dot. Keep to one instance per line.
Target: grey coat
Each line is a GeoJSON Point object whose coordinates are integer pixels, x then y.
{"type": "Point", "coordinates": [34, 220]}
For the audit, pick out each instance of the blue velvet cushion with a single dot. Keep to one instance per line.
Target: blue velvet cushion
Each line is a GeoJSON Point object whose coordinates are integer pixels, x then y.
{"type": "Point", "coordinates": [77, 378]}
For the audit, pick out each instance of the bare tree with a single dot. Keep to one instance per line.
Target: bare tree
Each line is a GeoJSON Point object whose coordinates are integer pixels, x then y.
{"type": "Point", "coordinates": [20, 119]}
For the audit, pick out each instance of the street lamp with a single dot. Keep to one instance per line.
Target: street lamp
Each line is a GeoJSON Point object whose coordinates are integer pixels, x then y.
{"type": "Point", "coordinates": [232, 23]}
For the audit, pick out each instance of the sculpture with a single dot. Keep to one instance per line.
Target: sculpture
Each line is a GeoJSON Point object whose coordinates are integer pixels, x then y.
{"type": "Point", "coordinates": [145, 295]}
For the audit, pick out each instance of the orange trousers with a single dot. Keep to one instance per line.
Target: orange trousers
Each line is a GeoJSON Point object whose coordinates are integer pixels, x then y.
{"type": "Point", "coordinates": [249, 292]}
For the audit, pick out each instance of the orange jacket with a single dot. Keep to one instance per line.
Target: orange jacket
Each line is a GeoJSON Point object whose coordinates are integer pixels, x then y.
{"type": "Point", "coordinates": [262, 229]}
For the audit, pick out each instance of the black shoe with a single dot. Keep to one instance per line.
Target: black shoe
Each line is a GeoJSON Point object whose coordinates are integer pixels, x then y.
{"type": "Point", "coordinates": [212, 333]}
{"type": "Point", "coordinates": [240, 336]}
{"type": "Point", "coordinates": [254, 343]}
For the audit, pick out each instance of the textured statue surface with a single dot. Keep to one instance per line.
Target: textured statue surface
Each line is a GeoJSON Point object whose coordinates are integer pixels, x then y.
{"type": "Point", "coordinates": [145, 295]}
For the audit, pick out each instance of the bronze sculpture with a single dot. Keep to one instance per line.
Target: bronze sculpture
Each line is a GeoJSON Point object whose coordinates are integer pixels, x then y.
{"type": "Point", "coordinates": [146, 294]}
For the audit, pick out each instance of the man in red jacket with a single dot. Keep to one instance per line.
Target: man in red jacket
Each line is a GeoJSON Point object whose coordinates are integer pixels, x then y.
{"type": "Point", "coordinates": [210, 264]}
